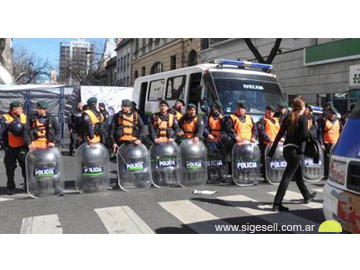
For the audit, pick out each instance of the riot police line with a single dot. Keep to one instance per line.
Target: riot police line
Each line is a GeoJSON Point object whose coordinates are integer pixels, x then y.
{"type": "Point", "coordinates": [184, 151]}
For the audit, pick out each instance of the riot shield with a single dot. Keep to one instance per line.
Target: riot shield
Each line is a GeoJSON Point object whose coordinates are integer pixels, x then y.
{"type": "Point", "coordinates": [193, 163]}
{"type": "Point", "coordinates": [216, 163]}
{"type": "Point", "coordinates": [275, 166]}
{"type": "Point", "coordinates": [44, 172]}
{"type": "Point", "coordinates": [92, 168]}
{"type": "Point", "coordinates": [134, 168]}
{"type": "Point", "coordinates": [313, 171]}
{"type": "Point", "coordinates": [245, 164]}
{"type": "Point", "coordinates": [165, 164]}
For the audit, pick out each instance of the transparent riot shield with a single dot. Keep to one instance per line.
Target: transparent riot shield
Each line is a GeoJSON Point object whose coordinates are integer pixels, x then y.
{"type": "Point", "coordinates": [134, 168]}
{"type": "Point", "coordinates": [44, 172]}
{"type": "Point", "coordinates": [165, 164]}
{"type": "Point", "coordinates": [313, 171]}
{"type": "Point", "coordinates": [194, 163]}
{"type": "Point", "coordinates": [216, 163]}
{"type": "Point", "coordinates": [275, 166]}
{"type": "Point", "coordinates": [92, 168]}
{"type": "Point", "coordinates": [245, 164]}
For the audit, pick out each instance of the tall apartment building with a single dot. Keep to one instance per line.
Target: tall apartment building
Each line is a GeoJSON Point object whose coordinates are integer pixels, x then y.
{"type": "Point", "coordinates": [74, 56]}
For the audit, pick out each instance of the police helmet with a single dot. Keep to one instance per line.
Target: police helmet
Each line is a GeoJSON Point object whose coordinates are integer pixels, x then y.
{"type": "Point", "coordinates": [16, 128]}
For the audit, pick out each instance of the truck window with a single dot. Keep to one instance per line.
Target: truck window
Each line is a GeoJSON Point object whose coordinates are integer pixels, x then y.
{"type": "Point", "coordinates": [156, 90]}
{"type": "Point", "coordinates": [175, 87]}
{"type": "Point", "coordinates": [142, 98]}
{"type": "Point", "coordinates": [195, 88]}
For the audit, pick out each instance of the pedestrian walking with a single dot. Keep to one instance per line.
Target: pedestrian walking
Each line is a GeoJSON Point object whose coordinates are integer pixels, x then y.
{"type": "Point", "coordinates": [297, 133]}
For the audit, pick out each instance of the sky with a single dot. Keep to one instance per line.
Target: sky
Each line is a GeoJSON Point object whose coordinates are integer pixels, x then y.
{"type": "Point", "coordinates": [47, 48]}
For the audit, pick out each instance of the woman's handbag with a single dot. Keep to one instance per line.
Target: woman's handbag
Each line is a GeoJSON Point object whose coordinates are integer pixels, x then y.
{"type": "Point", "coordinates": [312, 150]}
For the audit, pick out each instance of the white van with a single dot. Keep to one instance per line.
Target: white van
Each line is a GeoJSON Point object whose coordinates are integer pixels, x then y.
{"type": "Point", "coordinates": [225, 80]}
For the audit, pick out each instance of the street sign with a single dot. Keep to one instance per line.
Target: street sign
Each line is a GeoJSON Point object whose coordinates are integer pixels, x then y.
{"type": "Point", "coordinates": [354, 76]}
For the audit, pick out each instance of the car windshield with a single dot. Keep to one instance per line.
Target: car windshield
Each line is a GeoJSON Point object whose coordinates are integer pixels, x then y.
{"type": "Point", "coordinates": [256, 93]}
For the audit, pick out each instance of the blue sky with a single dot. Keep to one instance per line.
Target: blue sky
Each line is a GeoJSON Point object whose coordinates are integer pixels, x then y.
{"type": "Point", "coordinates": [47, 47]}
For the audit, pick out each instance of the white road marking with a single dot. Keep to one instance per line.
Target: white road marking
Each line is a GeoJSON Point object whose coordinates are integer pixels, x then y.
{"type": "Point", "coordinates": [48, 224]}
{"type": "Point", "coordinates": [193, 216]}
{"type": "Point", "coordinates": [290, 195]}
{"type": "Point", "coordinates": [122, 220]}
{"type": "Point", "coordinates": [281, 219]}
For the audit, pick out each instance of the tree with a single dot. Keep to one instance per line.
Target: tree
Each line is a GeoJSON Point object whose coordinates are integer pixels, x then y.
{"type": "Point", "coordinates": [28, 67]}
{"type": "Point", "coordinates": [257, 54]}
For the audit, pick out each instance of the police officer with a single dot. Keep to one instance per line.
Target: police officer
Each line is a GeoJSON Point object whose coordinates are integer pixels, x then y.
{"type": "Point", "coordinates": [178, 108]}
{"type": "Point", "coordinates": [312, 124]}
{"type": "Point", "coordinates": [240, 126]}
{"type": "Point", "coordinates": [192, 126]}
{"type": "Point", "coordinates": [214, 127]}
{"type": "Point", "coordinates": [103, 111]}
{"type": "Point", "coordinates": [126, 127]}
{"type": "Point", "coordinates": [74, 128]}
{"type": "Point", "coordinates": [268, 127]}
{"type": "Point", "coordinates": [329, 131]}
{"type": "Point", "coordinates": [281, 112]}
{"type": "Point", "coordinates": [42, 130]}
{"type": "Point", "coordinates": [91, 123]}
{"type": "Point", "coordinates": [163, 125]}
{"type": "Point", "coordinates": [12, 126]}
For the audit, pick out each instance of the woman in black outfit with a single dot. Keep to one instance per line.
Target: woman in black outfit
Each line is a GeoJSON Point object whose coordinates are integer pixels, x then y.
{"type": "Point", "coordinates": [296, 127]}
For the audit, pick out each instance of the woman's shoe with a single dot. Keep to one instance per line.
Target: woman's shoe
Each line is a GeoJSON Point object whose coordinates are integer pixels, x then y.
{"type": "Point", "coordinates": [280, 208]}
{"type": "Point", "coordinates": [311, 197]}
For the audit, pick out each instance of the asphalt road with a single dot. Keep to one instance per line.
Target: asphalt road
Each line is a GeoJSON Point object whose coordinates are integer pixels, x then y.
{"type": "Point", "coordinates": [157, 210]}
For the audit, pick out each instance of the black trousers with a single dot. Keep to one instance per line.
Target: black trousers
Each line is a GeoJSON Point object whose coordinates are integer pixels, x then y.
{"type": "Point", "coordinates": [12, 156]}
{"type": "Point", "coordinates": [327, 158]}
{"type": "Point", "coordinates": [293, 169]}
{"type": "Point", "coordinates": [74, 142]}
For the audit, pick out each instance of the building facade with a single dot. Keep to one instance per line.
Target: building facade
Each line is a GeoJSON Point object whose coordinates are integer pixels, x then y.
{"type": "Point", "coordinates": [124, 61]}
{"type": "Point", "coordinates": [6, 52]}
{"type": "Point", "coordinates": [75, 58]}
{"type": "Point", "coordinates": [153, 55]}
{"type": "Point", "coordinates": [317, 69]}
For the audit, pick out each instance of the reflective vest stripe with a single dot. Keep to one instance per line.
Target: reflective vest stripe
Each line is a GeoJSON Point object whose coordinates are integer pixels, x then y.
{"type": "Point", "coordinates": [271, 129]}
{"type": "Point", "coordinates": [215, 128]}
{"type": "Point", "coordinates": [127, 124]}
{"type": "Point", "coordinates": [178, 115]}
{"type": "Point", "coordinates": [15, 141]}
{"type": "Point", "coordinates": [94, 120]}
{"type": "Point", "coordinates": [190, 128]}
{"type": "Point", "coordinates": [332, 131]}
{"type": "Point", "coordinates": [243, 130]}
{"type": "Point", "coordinates": [163, 125]}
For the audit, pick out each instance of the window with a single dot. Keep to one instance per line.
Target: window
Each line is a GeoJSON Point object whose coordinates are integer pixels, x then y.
{"type": "Point", "coordinates": [124, 62]}
{"type": "Point", "coordinates": [127, 81]}
{"type": "Point", "coordinates": [173, 62]}
{"type": "Point", "coordinates": [156, 90]}
{"type": "Point", "coordinates": [195, 88]}
{"type": "Point", "coordinates": [156, 68]}
{"type": "Point", "coordinates": [143, 71]}
{"type": "Point", "coordinates": [192, 59]}
{"type": "Point", "coordinates": [121, 61]}
{"type": "Point", "coordinates": [136, 74]}
{"type": "Point", "coordinates": [128, 60]}
{"type": "Point", "coordinates": [175, 87]}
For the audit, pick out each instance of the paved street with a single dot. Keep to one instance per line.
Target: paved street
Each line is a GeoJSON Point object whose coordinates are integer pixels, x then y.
{"type": "Point", "coordinates": [165, 210]}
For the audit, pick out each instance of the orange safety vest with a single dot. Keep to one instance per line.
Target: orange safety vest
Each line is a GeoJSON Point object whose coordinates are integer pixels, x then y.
{"type": "Point", "coordinates": [127, 124]}
{"type": "Point", "coordinates": [15, 141]}
{"type": "Point", "coordinates": [332, 131]}
{"type": "Point", "coordinates": [271, 129]}
{"type": "Point", "coordinates": [94, 120]}
{"type": "Point", "coordinates": [41, 140]}
{"type": "Point", "coordinates": [243, 130]}
{"type": "Point", "coordinates": [215, 128]}
{"type": "Point", "coordinates": [178, 115]}
{"type": "Point", "coordinates": [190, 128]}
{"type": "Point", "coordinates": [163, 126]}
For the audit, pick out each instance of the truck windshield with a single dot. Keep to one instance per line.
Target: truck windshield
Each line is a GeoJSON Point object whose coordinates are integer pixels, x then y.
{"type": "Point", "coordinates": [256, 91]}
